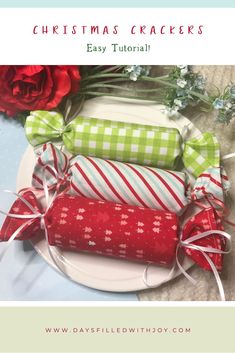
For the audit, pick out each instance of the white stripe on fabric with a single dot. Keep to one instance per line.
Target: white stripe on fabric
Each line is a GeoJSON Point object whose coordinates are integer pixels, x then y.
{"type": "Point", "coordinates": [210, 187]}
{"type": "Point", "coordinates": [90, 175]}
{"type": "Point", "coordinates": [135, 181]}
{"type": "Point", "coordinates": [159, 188]}
{"type": "Point", "coordinates": [179, 189]}
{"type": "Point", "coordinates": [97, 180]}
{"type": "Point", "coordinates": [79, 181]}
{"type": "Point", "coordinates": [128, 193]}
{"type": "Point", "coordinates": [115, 180]}
{"type": "Point", "coordinates": [176, 186]}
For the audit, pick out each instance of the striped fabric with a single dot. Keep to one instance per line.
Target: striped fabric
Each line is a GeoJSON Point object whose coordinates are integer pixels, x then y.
{"type": "Point", "coordinates": [128, 184]}
{"type": "Point", "coordinates": [211, 185]}
{"type": "Point", "coordinates": [50, 159]}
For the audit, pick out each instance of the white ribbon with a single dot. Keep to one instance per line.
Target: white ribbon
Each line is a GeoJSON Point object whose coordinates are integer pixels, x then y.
{"type": "Point", "coordinates": [31, 217]}
{"type": "Point", "coordinates": [49, 201]}
{"type": "Point", "coordinates": [52, 250]}
{"type": "Point", "coordinates": [145, 275]}
{"type": "Point", "coordinates": [188, 243]}
{"type": "Point", "coordinates": [228, 156]}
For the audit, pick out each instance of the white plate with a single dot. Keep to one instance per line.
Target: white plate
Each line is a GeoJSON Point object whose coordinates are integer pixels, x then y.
{"type": "Point", "coordinates": [98, 271]}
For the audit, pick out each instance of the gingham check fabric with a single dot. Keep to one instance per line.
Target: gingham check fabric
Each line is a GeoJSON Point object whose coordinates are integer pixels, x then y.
{"type": "Point", "coordinates": [201, 153]}
{"type": "Point", "coordinates": [141, 144]}
{"type": "Point", "coordinates": [42, 126]}
{"type": "Point", "coordinates": [126, 142]}
{"type": "Point", "coordinates": [135, 143]}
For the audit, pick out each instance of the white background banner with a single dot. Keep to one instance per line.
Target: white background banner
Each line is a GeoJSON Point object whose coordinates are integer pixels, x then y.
{"type": "Point", "coordinates": [117, 36]}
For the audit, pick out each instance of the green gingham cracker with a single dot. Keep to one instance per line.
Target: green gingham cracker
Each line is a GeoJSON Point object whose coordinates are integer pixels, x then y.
{"type": "Point", "coordinates": [127, 142]}
{"type": "Point", "coordinates": [142, 144]}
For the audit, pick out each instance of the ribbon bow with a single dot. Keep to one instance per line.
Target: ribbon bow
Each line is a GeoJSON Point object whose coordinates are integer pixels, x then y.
{"type": "Point", "coordinates": [27, 219]}
{"type": "Point", "coordinates": [23, 219]}
{"type": "Point", "coordinates": [205, 242]}
{"type": "Point", "coordinates": [157, 146]}
{"type": "Point", "coordinates": [202, 222]}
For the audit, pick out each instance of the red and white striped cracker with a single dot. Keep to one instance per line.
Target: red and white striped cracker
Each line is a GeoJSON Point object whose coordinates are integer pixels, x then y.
{"type": "Point", "coordinates": [128, 184]}
{"type": "Point", "coordinates": [210, 185]}
{"type": "Point", "coordinates": [50, 160]}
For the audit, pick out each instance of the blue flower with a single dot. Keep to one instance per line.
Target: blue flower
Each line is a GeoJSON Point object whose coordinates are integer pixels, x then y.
{"type": "Point", "coordinates": [228, 106]}
{"type": "Point", "coordinates": [172, 112]}
{"type": "Point", "coordinates": [179, 103]}
{"type": "Point", "coordinates": [218, 103]}
{"type": "Point", "coordinates": [183, 69]}
{"type": "Point", "coordinates": [200, 82]}
{"type": "Point", "coordinates": [181, 83]}
{"type": "Point", "coordinates": [136, 71]}
{"type": "Point", "coordinates": [146, 70]}
{"type": "Point", "coordinates": [180, 92]}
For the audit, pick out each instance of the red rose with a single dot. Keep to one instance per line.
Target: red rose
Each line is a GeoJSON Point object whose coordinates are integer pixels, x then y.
{"type": "Point", "coordinates": [35, 87]}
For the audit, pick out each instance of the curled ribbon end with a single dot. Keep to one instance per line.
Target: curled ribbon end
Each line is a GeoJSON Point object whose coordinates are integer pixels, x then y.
{"type": "Point", "coordinates": [205, 243]}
